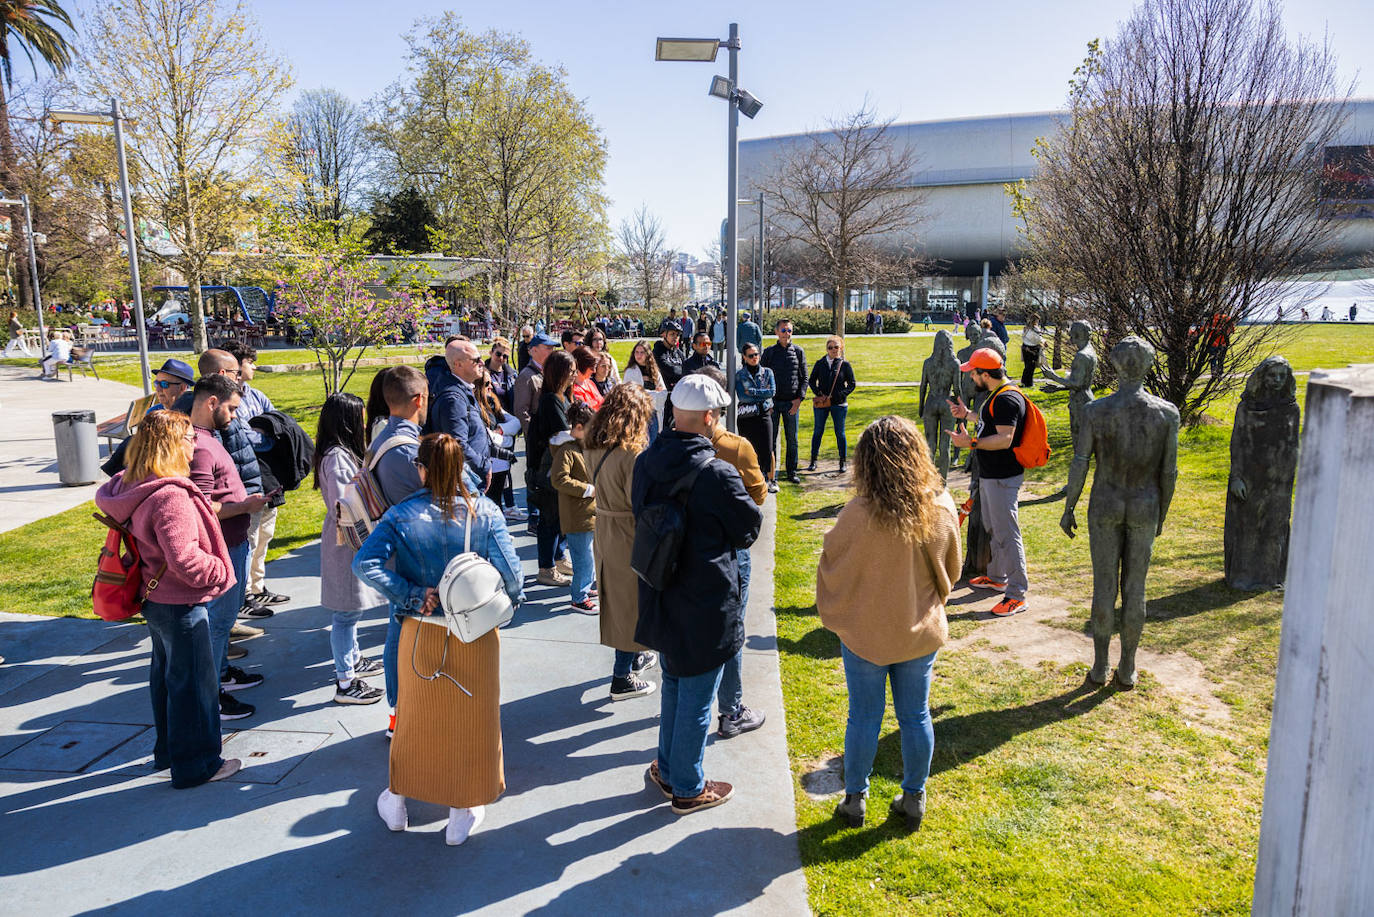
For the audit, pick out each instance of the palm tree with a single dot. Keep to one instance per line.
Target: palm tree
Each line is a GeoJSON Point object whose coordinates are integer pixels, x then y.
{"type": "Point", "coordinates": [32, 26]}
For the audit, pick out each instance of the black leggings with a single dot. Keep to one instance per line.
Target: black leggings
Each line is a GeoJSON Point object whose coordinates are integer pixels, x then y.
{"type": "Point", "coordinates": [502, 489]}
{"type": "Point", "coordinates": [758, 430]}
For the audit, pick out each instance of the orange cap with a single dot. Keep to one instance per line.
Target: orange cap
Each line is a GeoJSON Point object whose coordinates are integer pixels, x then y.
{"type": "Point", "coordinates": [987, 358]}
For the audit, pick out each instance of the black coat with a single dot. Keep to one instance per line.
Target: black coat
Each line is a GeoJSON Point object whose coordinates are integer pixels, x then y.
{"type": "Point", "coordinates": [822, 379]}
{"type": "Point", "coordinates": [698, 623]}
{"type": "Point", "coordinates": [550, 418]}
{"type": "Point", "coordinates": [699, 361]}
{"type": "Point", "coordinates": [291, 456]}
{"type": "Point", "coordinates": [789, 371]}
{"type": "Point", "coordinates": [669, 362]}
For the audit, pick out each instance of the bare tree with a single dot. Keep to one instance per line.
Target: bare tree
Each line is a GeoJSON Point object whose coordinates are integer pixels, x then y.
{"type": "Point", "coordinates": [648, 258]}
{"type": "Point", "coordinates": [845, 203]}
{"type": "Point", "coordinates": [327, 158]}
{"type": "Point", "coordinates": [1182, 187]}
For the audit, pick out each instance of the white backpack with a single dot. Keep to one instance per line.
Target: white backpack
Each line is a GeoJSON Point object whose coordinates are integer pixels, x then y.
{"type": "Point", "coordinates": [361, 502]}
{"type": "Point", "coordinates": [472, 593]}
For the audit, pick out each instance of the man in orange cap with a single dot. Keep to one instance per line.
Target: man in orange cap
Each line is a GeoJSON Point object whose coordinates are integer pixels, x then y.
{"type": "Point", "coordinates": [1001, 420]}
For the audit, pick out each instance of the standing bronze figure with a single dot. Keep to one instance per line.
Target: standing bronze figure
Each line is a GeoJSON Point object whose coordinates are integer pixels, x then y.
{"type": "Point", "coordinates": [940, 379]}
{"type": "Point", "coordinates": [1079, 381]}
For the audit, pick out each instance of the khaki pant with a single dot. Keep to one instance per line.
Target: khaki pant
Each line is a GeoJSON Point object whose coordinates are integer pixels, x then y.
{"type": "Point", "coordinates": [260, 531]}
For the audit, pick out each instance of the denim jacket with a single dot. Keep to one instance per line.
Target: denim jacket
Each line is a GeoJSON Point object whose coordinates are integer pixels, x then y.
{"type": "Point", "coordinates": [422, 541]}
{"type": "Point", "coordinates": [755, 389]}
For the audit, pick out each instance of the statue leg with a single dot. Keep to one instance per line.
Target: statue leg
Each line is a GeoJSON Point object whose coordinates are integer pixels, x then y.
{"type": "Point", "coordinates": [944, 451]}
{"type": "Point", "coordinates": [930, 423]}
{"type": "Point", "coordinates": [1105, 545]}
{"type": "Point", "coordinates": [1140, 540]}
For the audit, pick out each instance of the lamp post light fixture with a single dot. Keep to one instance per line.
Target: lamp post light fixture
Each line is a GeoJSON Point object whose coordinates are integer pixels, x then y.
{"type": "Point", "coordinates": [23, 201]}
{"type": "Point", "coordinates": [116, 118]}
{"type": "Point", "coordinates": [703, 50]}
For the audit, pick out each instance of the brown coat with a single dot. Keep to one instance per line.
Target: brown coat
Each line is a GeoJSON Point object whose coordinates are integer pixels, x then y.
{"type": "Point", "coordinates": [735, 450]}
{"type": "Point", "coordinates": [883, 596]}
{"type": "Point", "coordinates": [614, 540]}
{"type": "Point", "coordinates": [570, 477]}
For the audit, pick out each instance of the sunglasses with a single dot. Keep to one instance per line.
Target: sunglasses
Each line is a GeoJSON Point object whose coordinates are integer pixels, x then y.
{"type": "Point", "coordinates": [751, 354]}
{"type": "Point", "coordinates": [164, 384]}
{"type": "Point", "coordinates": [832, 346]}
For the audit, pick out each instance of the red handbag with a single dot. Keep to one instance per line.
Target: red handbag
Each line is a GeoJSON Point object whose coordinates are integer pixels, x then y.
{"type": "Point", "coordinates": [118, 592]}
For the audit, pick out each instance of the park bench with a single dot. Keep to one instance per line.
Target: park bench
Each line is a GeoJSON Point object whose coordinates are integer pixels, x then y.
{"type": "Point", "coordinates": [123, 426]}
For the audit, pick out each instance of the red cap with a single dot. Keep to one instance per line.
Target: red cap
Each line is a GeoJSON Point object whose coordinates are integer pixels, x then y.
{"type": "Point", "coordinates": [987, 358]}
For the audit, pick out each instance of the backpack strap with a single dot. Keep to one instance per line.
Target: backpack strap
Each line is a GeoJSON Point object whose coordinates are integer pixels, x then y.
{"type": "Point", "coordinates": [390, 444]}
{"type": "Point", "coordinates": [597, 470]}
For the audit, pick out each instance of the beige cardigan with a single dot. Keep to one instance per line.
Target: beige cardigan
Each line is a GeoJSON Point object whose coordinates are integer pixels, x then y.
{"type": "Point", "coordinates": [885, 597]}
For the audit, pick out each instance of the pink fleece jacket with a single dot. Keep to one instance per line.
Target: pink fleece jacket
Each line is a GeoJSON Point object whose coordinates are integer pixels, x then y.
{"type": "Point", "coordinates": [172, 521]}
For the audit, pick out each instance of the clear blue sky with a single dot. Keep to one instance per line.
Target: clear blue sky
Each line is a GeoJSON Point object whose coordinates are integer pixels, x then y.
{"type": "Point", "coordinates": [805, 60]}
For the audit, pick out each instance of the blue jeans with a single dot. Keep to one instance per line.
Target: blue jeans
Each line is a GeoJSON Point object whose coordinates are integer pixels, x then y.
{"type": "Point", "coordinates": [867, 684]}
{"type": "Point", "coordinates": [730, 694]}
{"type": "Point", "coordinates": [785, 421]}
{"type": "Point", "coordinates": [391, 652]}
{"type": "Point", "coordinates": [584, 566]}
{"type": "Point", "coordinates": [343, 640]}
{"type": "Point", "coordinates": [184, 684]}
{"type": "Point", "coordinates": [684, 720]}
{"type": "Point", "coordinates": [623, 662]}
{"type": "Point", "coordinates": [224, 611]}
{"type": "Point", "coordinates": [836, 413]}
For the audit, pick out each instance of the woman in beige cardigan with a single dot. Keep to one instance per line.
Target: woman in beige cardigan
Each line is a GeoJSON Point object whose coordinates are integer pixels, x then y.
{"type": "Point", "coordinates": [886, 569]}
{"type": "Point", "coordinates": [618, 433]}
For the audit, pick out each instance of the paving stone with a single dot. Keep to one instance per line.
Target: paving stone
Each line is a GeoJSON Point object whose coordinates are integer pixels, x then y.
{"type": "Point", "coordinates": [70, 747]}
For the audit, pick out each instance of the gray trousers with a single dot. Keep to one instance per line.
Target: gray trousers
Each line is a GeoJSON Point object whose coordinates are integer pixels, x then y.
{"type": "Point", "coordinates": [1008, 561]}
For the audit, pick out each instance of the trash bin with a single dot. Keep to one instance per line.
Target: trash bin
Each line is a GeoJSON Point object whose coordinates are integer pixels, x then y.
{"type": "Point", "coordinates": [78, 449]}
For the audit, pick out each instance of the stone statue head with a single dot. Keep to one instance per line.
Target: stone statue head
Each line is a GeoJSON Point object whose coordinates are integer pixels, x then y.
{"type": "Point", "coordinates": [943, 343]}
{"type": "Point", "coordinates": [972, 332]}
{"type": "Point", "coordinates": [1080, 333]}
{"type": "Point", "coordinates": [1132, 358]}
{"type": "Point", "coordinates": [1272, 381]}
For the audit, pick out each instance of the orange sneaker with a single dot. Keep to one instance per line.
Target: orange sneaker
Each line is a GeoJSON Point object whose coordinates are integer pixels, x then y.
{"type": "Point", "coordinates": [982, 582]}
{"type": "Point", "coordinates": [1008, 607]}
{"type": "Point", "coordinates": [391, 725]}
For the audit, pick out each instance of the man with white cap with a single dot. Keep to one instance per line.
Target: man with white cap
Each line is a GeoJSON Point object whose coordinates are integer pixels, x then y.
{"type": "Point", "coordinates": [696, 620]}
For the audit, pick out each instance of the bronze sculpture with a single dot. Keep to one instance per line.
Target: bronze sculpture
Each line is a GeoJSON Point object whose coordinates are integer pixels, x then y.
{"type": "Point", "coordinates": [1079, 381]}
{"type": "Point", "coordinates": [1134, 437]}
{"type": "Point", "coordinates": [940, 379]}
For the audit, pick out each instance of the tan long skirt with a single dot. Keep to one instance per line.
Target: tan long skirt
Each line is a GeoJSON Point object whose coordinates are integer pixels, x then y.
{"type": "Point", "coordinates": [447, 746]}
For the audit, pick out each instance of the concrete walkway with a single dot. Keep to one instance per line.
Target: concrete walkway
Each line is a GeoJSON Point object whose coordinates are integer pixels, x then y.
{"type": "Point", "coordinates": [88, 828]}
{"type": "Point", "coordinates": [29, 488]}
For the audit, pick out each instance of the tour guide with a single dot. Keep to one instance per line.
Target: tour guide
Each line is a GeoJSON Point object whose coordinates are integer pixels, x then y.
{"type": "Point", "coordinates": [1000, 423]}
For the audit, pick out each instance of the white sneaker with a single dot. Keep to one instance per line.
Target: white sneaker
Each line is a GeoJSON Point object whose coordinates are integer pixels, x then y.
{"type": "Point", "coordinates": [564, 567]}
{"type": "Point", "coordinates": [461, 824]}
{"type": "Point", "coordinates": [392, 808]}
{"type": "Point", "coordinates": [515, 514]}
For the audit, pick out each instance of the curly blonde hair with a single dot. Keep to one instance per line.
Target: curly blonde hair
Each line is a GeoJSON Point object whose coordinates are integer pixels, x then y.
{"type": "Point", "coordinates": [894, 473]}
{"type": "Point", "coordinates": [622, 421]}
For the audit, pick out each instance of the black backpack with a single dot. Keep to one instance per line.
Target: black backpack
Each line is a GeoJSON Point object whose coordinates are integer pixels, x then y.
{"type": "Point", "coordinates": [660, 530]}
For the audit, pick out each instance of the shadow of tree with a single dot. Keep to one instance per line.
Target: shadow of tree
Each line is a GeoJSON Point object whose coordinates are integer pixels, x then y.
{"type": "Point", "coordinates": [817, 643]}
{"type": "Point", "coordinates": [1199, 599]}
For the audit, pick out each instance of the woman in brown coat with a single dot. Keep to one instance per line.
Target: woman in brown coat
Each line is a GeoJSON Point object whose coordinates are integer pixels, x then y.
{"type": "Point", "coordinates": [617, 435]}
{"type": "Point", "coordinates": [886, 570]}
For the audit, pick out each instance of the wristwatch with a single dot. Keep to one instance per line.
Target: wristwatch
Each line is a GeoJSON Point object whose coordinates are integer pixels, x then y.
{"type": "Point", "coordinates": [973, 442]}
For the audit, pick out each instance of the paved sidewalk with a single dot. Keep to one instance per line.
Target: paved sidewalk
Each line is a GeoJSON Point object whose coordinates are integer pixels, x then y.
{"type": "Point", "coordinates": [89, 829]}
{"type": "Point", "coordinates": [29, 488]}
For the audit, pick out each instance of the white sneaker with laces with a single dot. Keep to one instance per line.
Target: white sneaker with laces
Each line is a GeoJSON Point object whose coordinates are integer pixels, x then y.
{"type": "Point", "coordinates": [461, 824]}
{"type": "Point", "coordinates": [392, 808]}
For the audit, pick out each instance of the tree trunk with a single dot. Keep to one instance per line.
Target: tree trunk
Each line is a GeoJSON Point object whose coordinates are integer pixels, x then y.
{"type": "Point", "coordinates": [195, 305]}
{"type": "Point", "coordinates": [9, 173]}
{"type": "Point", "coordinates": [837, 308]}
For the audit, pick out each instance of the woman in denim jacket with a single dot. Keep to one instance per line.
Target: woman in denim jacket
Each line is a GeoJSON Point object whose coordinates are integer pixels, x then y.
{"type": "Point", "coordinates": [755, 388]}
{"type": "Point", "coordinates": [447, 745]}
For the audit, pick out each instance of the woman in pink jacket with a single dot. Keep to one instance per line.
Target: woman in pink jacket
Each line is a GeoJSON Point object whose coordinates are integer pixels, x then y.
{"type": "Point", "coordinates": [185, 565]}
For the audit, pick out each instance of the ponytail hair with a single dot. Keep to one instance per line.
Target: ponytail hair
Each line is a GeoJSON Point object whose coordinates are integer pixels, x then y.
{"type": "Point", "coordinates": [442, 458]}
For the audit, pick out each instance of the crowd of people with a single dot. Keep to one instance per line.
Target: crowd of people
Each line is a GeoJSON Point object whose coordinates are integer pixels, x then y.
{"type": "Point", "coordinates": [643, 507]}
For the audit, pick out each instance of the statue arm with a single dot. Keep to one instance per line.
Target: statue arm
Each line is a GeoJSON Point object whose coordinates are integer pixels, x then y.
{"type": "Point", "coordinates": [1168, 470]}
{"type": "Point", "coordinates": [921, 398]}
{"type": "Point", "coordinates": [1078, 474]}
{"type": "Point", "coordinates": [1050, 373]}
{"type": "Point", "coordinates": [1235, 483]}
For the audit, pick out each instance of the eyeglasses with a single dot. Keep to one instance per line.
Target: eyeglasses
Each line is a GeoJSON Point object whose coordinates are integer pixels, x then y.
{"type": "Point", "coordinates": [832, 346]}
{"type": "Point", "coordinates": [164, 384]}
{"type": "Point", "coordinates": [498, 353]}
{"type": "Point", "coordinates": [417, 463]}
{"type": "Point", "coordinates": [751, 354]}
{"type": "Point", "coordinates": [784, 331]}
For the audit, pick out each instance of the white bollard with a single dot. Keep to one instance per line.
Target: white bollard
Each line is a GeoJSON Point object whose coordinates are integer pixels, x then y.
{"type": "Point", "coordinates": [1316, 851]}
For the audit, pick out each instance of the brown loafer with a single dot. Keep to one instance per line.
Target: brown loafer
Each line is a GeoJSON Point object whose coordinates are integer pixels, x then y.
{"type": "Point", "coordinates": [656, 780]}
{"type": "Point", "coordinates": [715, 793]}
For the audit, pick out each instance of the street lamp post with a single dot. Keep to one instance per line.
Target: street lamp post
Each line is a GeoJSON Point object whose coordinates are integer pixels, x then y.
{"type": "Point", "coordinates": [23, 201]}
{"type": "Point", "coordinates": [115, 117]}
{"type": "Point", "coordinates": [704, 50]}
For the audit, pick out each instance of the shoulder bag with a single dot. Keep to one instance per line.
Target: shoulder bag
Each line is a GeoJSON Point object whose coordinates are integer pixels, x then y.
{"type": "Point", "coordinates": [823, 401]}
{"type": "Point", "coordinates": [472, 593]}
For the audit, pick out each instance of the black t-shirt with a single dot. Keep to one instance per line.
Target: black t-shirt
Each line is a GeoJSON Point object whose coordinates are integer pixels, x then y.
{"type": "Point", "coordinates": [1006, 410]}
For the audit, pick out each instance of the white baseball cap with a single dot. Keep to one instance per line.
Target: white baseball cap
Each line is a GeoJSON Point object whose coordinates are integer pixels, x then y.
{"type": "Point", "coordinates": [697, 392]}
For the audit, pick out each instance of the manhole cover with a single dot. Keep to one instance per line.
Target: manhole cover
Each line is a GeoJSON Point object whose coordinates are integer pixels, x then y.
{"type": "Point", "coordinates": [268, 755]}
{"type": "Point", "coordinates": [824, 778]}
{"type": "Point", "coordinates": [70, 747]}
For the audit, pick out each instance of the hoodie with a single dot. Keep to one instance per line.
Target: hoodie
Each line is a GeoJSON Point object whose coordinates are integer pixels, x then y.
{"type": "Point", "coordinates": [172, 523]}
{"type": "Point", "coordinates": [698, 622]}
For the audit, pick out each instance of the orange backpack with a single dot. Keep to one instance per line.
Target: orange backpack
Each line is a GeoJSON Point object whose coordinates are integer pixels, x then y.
{"type": "Point", "coordinates": [1034, 448]}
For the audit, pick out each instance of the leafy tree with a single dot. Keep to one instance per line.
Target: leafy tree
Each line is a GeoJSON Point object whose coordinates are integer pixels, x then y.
{"type": "Point", "coordinates": [400, 223]}
{"type": "Point", "coordinates": [201, 88]}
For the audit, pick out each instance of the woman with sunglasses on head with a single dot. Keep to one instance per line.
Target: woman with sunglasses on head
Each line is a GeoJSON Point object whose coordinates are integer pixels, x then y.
{"type": "Point", "coordinates": [643, 371]}
{"type": "Point", "coordinates": [447, 747]}
{"type": "Point", "coordinates": [831, 381]}
{"type": "Point", "coordinates": [755, 388]}
{"type": "Point", "coordinates": [596, 342]}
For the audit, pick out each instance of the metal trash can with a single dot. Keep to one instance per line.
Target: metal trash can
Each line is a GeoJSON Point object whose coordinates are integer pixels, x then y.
{"type": "Point", "coordinates": [78, 449]}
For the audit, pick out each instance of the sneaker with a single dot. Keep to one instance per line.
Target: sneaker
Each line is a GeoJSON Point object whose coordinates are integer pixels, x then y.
{"type": "Point", "coordinates": [772, 487]}
{"type": "Point", "coordinates": [358, 692]}
{"type": "Point", "coordinates": [643, 662]}
{"type": "Point", "coordinates": [365, 666]}
{"type": "Point", "coordinates": [229, 768]}
{"type": "Point", "coordinates": [586, 606]}
{"type": "Point", "coordinates": [549, 576]}
{"type": "Point", "coordinates": [983, 582]}
{"type": "Point", "coordinates": [1008, 607]}
{"type": "Point", "coordinates": [593, 592]}
{"type": "Point", "coordinates": [652, 776]}
{"type": "Point", "coordinates": [515, 514]}
{"type": "Point", "coordinates": [391, 725]}
{"type": "Point", "coordinates": [236, 679]}
{"type": "Point", "coordinates": [231, 708]}
{"type": "Point", "coordinates": [630, 686]}
{"type": "Point", "coordinates": [744, 720]}
{"type": "Point", "coordinates": [812, 466]}
{"type": "Point", "coordinates": [235, 652]}
{"type": "Point", "coordinates": [241, 631]}
{"type": "Point", "coordinates": [392, 808]}
{"type": "Point", "coordinates": [268, 597]}
{"type": "Point", "coordinates": [255, 612]}
{"type": "Point", "coordinates": [564, 567]}
{"type": "Point", "coordinates": [794, 478]}
{"type": "Point", "coordinates": [716, 792]}
{"type": "Point", "coordinates": [461, 824]}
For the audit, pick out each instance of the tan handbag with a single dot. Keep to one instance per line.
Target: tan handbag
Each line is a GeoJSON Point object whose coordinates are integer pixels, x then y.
{"type": "Point", "coordinates": [822, 402]}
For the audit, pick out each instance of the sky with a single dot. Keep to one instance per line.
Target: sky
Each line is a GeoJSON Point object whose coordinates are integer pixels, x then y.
{"type": "Point", "coordinates": [912, 60]}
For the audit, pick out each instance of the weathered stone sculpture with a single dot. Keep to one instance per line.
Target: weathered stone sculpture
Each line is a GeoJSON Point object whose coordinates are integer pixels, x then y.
{"type": "Point", "coordinates": [939, 381]}
{"type": "Point", "coordinates": [1134, 437]}
{"type": "Point", "coordinates": [967, 390]}
{"type": "Point", "coordinates": [1264, 462]}
{"type": "Point", "coordinates": [1079, 381]}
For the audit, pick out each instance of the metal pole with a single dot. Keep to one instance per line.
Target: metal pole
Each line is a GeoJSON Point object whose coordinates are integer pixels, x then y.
{"type": "Point", "coordinates": [131, 236]}
{"type": "Point", "coordinates": [762, 301]}
{"type": "Point", "coordinates": [732, 234]}
{"type": "Point", "coordinates": [983, 306]}
{"type": "Point", "coordinates": [33, 267]}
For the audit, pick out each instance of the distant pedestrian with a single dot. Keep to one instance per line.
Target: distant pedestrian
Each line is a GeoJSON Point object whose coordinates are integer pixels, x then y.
{"type": "Point", "coordinates": [670, 355]}
{"type": "Point", "coordinates": [998, 321]}
{"type": "Point", "coordinates": [182, 552]}
{"type": "Point", "coordinates": [1354, 311]}
{"type": "Point", "coordinates": [747, 332]}
{"type": "Point", "coordinates": [454, 409]}
{"type": "Point", "coordinates": [16, 345]}
{"type": "Point", "coordinates": [1032, 345]}
{"type": "Point", "coordinates": [787, 362]}
{"type": "Point", "coordinates": [522, 352]}
{"type": "Point", "coordinates": [831, 382]}
{"type": "Point", "coordinates": [718, 337]}
{"type": "Point", "coordinates": [901, 521]}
